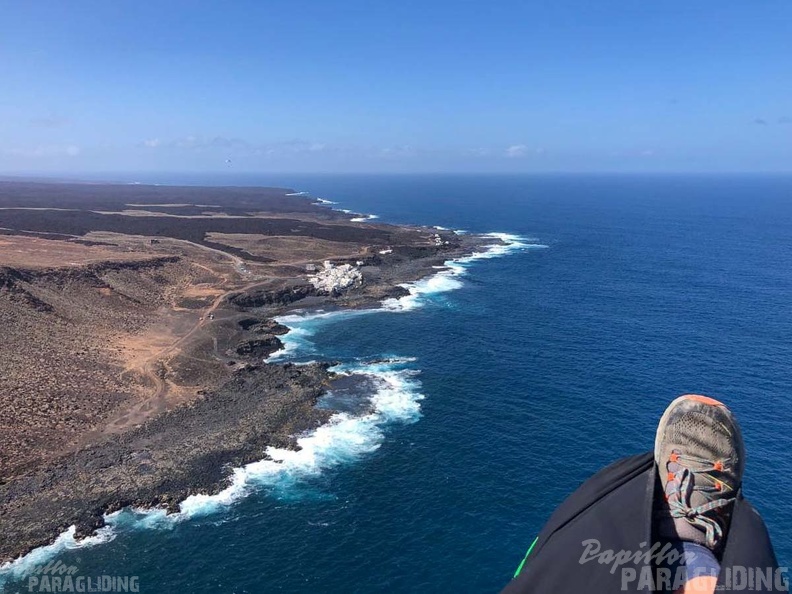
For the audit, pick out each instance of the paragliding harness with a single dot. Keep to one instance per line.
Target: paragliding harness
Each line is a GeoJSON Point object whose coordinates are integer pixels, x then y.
{"type": "Point", "coordinates": [600, 540]}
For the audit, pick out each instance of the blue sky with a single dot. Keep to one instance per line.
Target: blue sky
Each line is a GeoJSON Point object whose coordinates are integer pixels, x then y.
{"type": "Point", "coordinates": [407, 86]}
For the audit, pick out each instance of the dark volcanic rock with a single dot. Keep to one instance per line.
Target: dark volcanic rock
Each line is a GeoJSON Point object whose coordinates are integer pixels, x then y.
{"type": "Point", "coordinates": [192, 448]}
{"type": "Point", "coordinates": [259, 347]}
{"type": "Point", "coordinates": [13, 281]}
{"type": "Point", "coordinates": [248, 323]}
{"type": "Point", "coordinates": [396, 292]}
{"type": "Point", "coordinates": [278, 297]}
{"type": "Point", "coordinates": [182, 452]}
{"type": "Point", "coordinates": [263, 326]}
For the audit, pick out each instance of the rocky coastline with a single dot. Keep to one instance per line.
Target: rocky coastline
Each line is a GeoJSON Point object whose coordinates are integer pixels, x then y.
{"type": "Point", "coordinates": [192, 448]}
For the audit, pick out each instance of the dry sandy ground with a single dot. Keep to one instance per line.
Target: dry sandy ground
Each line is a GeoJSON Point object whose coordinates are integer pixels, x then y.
{"type": "Point", "coordinates": [32, 252]}
{"type": "Point", "coordinates": [115, 327]}
{"type": "Point", "coordinates": [110, 319]}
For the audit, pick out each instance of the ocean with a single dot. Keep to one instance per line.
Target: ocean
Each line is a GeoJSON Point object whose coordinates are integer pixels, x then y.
{"type": "Point", "coordinates": [478, 403]}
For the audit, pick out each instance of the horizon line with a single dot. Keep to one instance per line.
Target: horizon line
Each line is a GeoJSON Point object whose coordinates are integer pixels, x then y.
{"type": "Point", "coordinates": [77, 176]}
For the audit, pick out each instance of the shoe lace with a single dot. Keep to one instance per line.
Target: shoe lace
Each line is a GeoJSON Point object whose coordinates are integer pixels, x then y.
{"type": "Point", "coordinates": [683, 485]}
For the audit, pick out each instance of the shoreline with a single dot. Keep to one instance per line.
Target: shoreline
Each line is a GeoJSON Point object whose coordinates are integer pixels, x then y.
{"type": "Point", "coordinates": [215, 469]}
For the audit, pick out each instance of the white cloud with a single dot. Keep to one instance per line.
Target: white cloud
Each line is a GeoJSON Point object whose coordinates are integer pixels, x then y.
{"type": "Point", "coordinates": [516, 150]}
{"type": "Point", "coordinates": [239, 146]}
{"type": "Point", "coordinates": [290, 148]}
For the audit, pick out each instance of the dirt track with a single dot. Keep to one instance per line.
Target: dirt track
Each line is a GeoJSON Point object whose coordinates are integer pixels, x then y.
{"type": "Point", "coordinates": [133, 346]}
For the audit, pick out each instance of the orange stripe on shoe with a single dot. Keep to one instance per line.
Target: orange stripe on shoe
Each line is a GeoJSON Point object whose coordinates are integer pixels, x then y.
{"type": "Point", "coordinates": [703, 399]}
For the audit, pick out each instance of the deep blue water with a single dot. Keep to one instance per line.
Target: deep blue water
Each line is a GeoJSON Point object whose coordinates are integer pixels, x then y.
{"type": "Point", "coordinates": [544, 366]}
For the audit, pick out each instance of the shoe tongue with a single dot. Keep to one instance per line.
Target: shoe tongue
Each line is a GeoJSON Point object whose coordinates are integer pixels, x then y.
{"type": "Point", "coordinates": [675, 488]}
{"type": "Point", "coordinates": [674, 467]}
{"type": "Point", "coordinates": [668, 528]}
{"type": "Point", "coordinates": [691, 496]}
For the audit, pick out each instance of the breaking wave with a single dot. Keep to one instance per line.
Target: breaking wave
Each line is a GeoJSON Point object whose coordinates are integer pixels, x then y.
{"type": "Point", "coordinates": [394, 397]}
{"type": "Point", "coordinates": [364, 218]}
{"type": "Point", "coordinates": [344, 438]}
{"type": "Point", "coordinates": [22, 566]}
{"type": "Point", "coordinates": [448, 278]}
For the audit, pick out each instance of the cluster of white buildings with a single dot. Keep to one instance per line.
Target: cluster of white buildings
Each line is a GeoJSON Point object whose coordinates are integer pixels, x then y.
{"type": "Point", "coordinates": [334, 279]}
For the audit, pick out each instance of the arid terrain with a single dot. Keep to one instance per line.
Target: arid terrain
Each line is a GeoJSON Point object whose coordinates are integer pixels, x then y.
{"type": "Point", "coordinates": [136, 320]}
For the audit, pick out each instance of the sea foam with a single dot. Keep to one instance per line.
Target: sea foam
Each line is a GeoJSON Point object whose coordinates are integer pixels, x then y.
{"type": "Point", "coordinates": [448, 277]}
{"type": "Point", "coordinates": [363, 218]}
{"type": "Point", "coordinates": [24, 565]}
{"type": "Point", "coordinates": [344, 438]}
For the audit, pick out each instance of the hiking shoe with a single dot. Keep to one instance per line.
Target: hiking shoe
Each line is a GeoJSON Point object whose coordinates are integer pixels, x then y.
{"type": "Point", "coordinates": [700, 458]}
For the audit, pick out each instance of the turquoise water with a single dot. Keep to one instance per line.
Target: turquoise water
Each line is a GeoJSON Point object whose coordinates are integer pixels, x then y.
{"type": "Point", "coordinates": [495, 390]}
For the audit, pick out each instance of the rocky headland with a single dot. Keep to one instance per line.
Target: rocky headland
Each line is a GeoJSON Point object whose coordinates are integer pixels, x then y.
{"type": "Point", "coordinates": [137, 321]}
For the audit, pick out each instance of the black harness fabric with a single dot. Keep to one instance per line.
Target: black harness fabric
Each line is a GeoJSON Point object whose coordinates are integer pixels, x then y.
{"type": "Point", "coordinates": [611, 512]}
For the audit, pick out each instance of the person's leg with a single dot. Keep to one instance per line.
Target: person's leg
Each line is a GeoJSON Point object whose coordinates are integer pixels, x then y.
{"type": "Point", "coordinates": [700, 458]}
{"type": "Point", "coordinates": [690, 568]}
{"type": "Point", "coordinates": [699, 585]}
